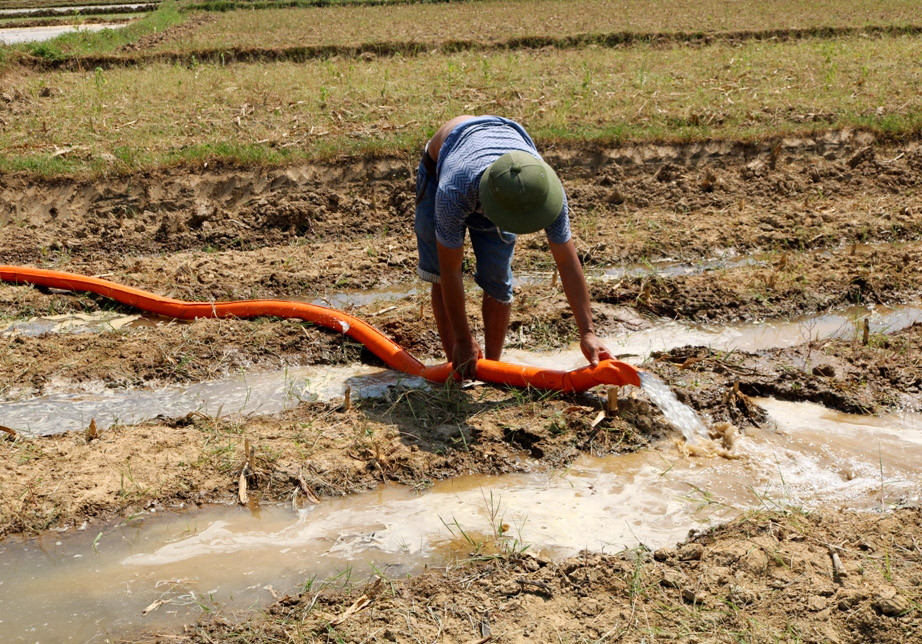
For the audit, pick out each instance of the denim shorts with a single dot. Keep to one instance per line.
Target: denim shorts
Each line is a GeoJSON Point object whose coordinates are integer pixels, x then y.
{"type": "Point", "coordinates": [493, 247]}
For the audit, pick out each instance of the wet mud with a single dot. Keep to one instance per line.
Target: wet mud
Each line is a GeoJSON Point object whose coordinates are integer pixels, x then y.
{"type": "Point", "coordinates": [410, 436]}
{"type": "Point", "coordinates": [163, 353]}
{"type": "Point", "coordinates": [841, 374]}
{"type": "Point", "coordinates": [630, 204]}
{"type": "Point", "coordinates": [158, 563]}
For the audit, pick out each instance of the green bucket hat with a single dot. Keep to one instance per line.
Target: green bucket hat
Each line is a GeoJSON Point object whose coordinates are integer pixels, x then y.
{"type": "Point", "coordinates": [520, 193]}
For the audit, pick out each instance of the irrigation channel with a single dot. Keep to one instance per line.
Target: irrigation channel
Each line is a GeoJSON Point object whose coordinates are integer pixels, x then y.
{"type": "Point", "coordinates": [78, 586]}
{"type": "Point", "coordinates": [15, 35]}
{"type": "Point", "coordinates": [67, 409]}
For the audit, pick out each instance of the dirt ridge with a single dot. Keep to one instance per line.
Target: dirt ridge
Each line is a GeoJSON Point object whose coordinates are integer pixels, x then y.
{"type": "Point", "coordinates": [568, 153]}
{"type": "Point", "coordinates": [370, 51]}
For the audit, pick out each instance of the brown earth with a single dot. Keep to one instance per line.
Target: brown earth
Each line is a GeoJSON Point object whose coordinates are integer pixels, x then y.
{"type": "Point", "coordinates": [541, 320]}
{"type": "Point", "coordinates": [762, 578]}
{"type": "Point", "coordinates": [845, 375]}
{"type": "Point", "coordinates": [162, 352]}
{"type": "Point", "coordinates": [175, 352]}
{"type": "Point", "coordinates": [349, 224]}
{"type": "Point", "coordinates": [786, 285]}
{"type": "Point", "coordinates": [774, 285]}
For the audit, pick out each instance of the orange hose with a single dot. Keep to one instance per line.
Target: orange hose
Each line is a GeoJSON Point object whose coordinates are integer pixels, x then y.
{"type": "Point", "coordinates": [608, 372]}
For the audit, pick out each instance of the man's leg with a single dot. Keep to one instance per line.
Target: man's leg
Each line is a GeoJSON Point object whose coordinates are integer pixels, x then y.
{"type": "Point", "coordinates": [446, 335]}
{"type": "Point", "coordinates": [428, 268]}
{"type": "Point", "coordinates": [495, 324]}
{"type": "Point", "coordinates": [493, 250]}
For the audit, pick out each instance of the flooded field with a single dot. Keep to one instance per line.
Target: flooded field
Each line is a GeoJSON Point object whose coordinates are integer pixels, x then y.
{"type": "Point", "coordinates": [78, 9]}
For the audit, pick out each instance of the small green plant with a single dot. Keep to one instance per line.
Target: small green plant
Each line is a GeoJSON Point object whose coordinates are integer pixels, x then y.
{"type": "Point", "coordinates": [499, 543]}
{"type": "Point", "coordinates": [47, 50]}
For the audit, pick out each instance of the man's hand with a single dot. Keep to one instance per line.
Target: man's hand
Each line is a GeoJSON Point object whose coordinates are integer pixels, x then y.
{"type": "Point", "coordinates": [464, 357]}
{"type": "Point", "coordinates": [593, 349]}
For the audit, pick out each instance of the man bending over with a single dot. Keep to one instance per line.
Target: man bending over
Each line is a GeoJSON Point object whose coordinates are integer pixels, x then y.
{"type": "Point", "coordinates": [483, 174]}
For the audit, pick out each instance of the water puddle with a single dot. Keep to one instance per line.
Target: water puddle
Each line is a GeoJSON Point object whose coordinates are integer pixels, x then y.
{"type": "Point", "coordinates": [664, 268]}
{"type": "Point", "coordinates": [71, 588]}
{"type": "Point", "coordinates": [96, 322]}
{"type": "Point", "coordinates": [244, 394]}
{"type": "Point", "coordinates": [16, 35]}
{"type": "Point", "coordinates": [352, 299]}
{"type": "Point", "coordinates": [674, 268]}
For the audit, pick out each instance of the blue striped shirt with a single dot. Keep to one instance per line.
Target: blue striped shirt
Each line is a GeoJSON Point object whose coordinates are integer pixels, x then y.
{"type": "Point", "coordinates": [466, 152]}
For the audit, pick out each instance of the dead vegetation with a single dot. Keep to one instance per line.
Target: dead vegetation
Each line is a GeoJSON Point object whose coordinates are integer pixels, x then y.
{"type": "Point", "coordinates": [285, 112]}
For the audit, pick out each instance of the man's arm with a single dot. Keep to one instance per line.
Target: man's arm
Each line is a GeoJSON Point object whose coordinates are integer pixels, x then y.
{"type": "Point", "coordinates": [574, 285]}
{"type": "Point", "coordinates": [466, 350]}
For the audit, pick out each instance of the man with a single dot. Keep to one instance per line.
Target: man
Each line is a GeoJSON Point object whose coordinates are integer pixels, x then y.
{"type": "Point", "coordinates": [484, 174]}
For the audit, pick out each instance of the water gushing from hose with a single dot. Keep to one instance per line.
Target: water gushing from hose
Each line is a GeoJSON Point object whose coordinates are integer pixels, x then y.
{"type": "Point", "coordinates": [676, 412]}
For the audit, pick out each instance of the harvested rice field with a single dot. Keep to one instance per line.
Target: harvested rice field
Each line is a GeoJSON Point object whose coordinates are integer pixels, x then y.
{"type": "Point", "coordinates": [745, 192]}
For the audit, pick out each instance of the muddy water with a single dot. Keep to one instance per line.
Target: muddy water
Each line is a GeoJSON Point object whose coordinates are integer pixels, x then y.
{"type": "Point", "coordinates": [673, 268]}
{"type": "Point", "coordinates": [62, 588]}
{"type": "Point", "coordinates": [351, 299]}
{"type": "Point", "coordinates": [749, 336]}
{"type": "Point", "coordinates": [271, 392]}
{"type": "Point", "coordinates": [259, 393]}
{"type": "Point", "coordinates": [676, 412]}
{"type": "Point", "coordinates": [96, 322]}
{"type": "Point", "coordinates": [35, 34]}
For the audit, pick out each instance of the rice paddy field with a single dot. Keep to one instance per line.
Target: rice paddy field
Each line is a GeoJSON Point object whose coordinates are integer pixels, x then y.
{"type": "Point", "coordinates": [745, 185]}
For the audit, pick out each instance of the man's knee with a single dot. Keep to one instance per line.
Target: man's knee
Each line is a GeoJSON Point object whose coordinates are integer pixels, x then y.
{"type": "Point", "coordinates": [500, 291]}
